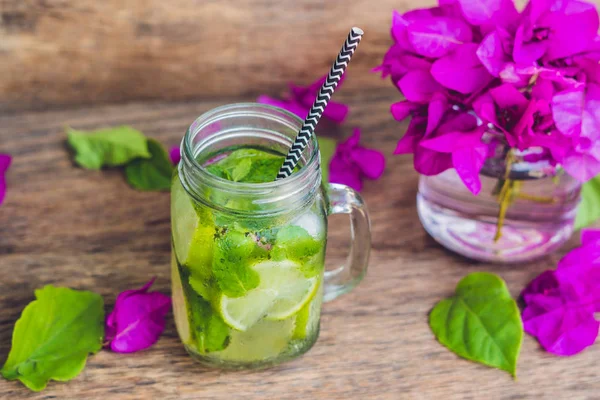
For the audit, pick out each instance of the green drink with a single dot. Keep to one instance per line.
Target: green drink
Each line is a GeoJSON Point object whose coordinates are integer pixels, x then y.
{"type": "Point", "coordinates": [247, 291]}
{"type": "Point", "coordinates": [248, 279]}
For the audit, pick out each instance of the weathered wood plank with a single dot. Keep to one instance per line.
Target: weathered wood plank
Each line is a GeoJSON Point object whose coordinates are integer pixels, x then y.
{"type": "Point", "coordinates": [89, 230]}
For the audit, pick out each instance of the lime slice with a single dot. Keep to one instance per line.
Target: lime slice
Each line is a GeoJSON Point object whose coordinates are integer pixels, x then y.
{"type": "Point", "coordinates": [282, 292]}
{"type": "Point", "coordinates": [180, 309]}
{"type": "Point", "coordinates": [308, 316]}
{"type": "Point", "coordinates": [193, 234]}
{"type": "Point", "coordinates": [264, 340]}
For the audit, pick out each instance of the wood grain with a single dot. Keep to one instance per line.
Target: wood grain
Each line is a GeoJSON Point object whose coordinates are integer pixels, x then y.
{"type": "Point", "coordinates": [88, 230]}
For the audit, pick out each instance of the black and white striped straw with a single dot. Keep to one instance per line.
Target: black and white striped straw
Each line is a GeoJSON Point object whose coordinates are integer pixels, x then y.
{"type": "Point", "coordinates": [310, 123]}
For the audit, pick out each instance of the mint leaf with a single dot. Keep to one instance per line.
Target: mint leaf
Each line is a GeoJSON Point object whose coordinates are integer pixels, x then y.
{"type": "Point", "coordinates": [107, 147]}
{"type": "Point", "coordinates": [208, 330]}
{"type": "Point", "coordinates": [54, 336]}
{"type": "Point", "coordinates": [327, 150]}
{"type": "Point", "coordinates": [153, 173]}
{"type": "Point", "coordinates": [481, 322]}
{"type": "Point", "coordinates": [588, 211]}
{"type": "Point", "coordinates": [296, 244]}
{"type": "Point", "coordinates": [241, 170]}
{"type": "Point", "coordinates": [234, 253]}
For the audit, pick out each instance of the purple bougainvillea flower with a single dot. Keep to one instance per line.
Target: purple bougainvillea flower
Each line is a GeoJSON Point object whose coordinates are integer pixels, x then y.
{"type": "Point", "coordinates": [175, 155]}
{"type": "Point", "coordinates": [468, 154]}
{"type": "Point", "coordinates": [353, 162]}
{"type": "Point", "coordinates": [581, 269]}
{"type": "Point", "coordinates": [461, 70]}
{"type": "Point", "coordinates": [554, 29]}
{"type": "Point", "coordinates": [487, 13]}
{"type": "Point", "coordinates": [560, 305]}
{"type": "Point", "coordinates": [418, 86]}
{"type": "Point", "coordinates": [300, 99]}
{"type": "Point", "coordinates": [137, 320]}
{"type": "Point", "coordinates": [436, 36]}
{"type": "Point", "coordinates": [5, 161]}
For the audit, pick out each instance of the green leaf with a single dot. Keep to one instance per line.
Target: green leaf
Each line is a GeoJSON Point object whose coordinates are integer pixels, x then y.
{"type": "Point", "coordinates": [241, 170]}
{"type": "Point", "coordinates": [588, 211]}
{"type": "Point", "coordinates": [107, 147]}
{"type": "Point", "coordinates": [54, 336]}
{"type": "Point", "coordinates": [481, 322]}
{"type": "Point", "coordinates": [234, 253]}
{"type": "Point", "coordinates": [295, 243]}
{"type": "Point", "coordinates": [153, 173]}
{"type": "Point", "coordinates": [327, 150]}
{"type": "Point", "coordinates": [210, 332]}
{"type": "Point", "coordinates": [207, 328]}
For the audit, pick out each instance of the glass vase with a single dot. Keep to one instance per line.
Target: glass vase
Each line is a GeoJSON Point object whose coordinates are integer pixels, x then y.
{"type": "Point", "coordinates": [525, 209]}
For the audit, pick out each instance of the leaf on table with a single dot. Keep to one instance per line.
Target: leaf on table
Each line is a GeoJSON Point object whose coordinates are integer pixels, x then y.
{"type": "Point", "coordinates": [481, 322]}
{"type": "Point", "coordinates": [327, 149]}
{"type": "Point", "coordinates": [107, 147]}
{"type": "Point", "coordinates": [588, 211]}
{"type": "Point", "coordinates": [54, 336]}
{"type": "Point", "coordinates": [152, 173]}
{"type": "Point", "coordinates": [137, 320]}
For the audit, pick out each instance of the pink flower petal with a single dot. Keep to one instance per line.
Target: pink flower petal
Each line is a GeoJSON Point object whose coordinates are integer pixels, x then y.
{"type": "Point", "coordinates": [561, 329]}
{"type": "Point", "coordinates": [589, 236]}
{"type": "Point", "coordinates": [581, 166]}
{"type": "Point", "coordinates": [437, 36]}
{"type": "Point", "coordinates": [491, 52]}
{"type": "Point", "coordinates": [409, 142]}
{"type": "Point", "coordinates": [137, 320]}
{"type": "Point", "coordinates": [337, 112]}
{"type": "Point", "coordinates": [290, 106]}
{"type": "Point", "coordinates": [340, 172]}
{"type": "Point", "coordinates": [435, 111]}
{"type": "Point", "coordinates": [508, 96]}
{"type": "Point", "coordinates": [175, 155]}
{"type": "Point", "coordinates": [478, 12]}
{"type": "Point", "coordinates": [526, 51]}
{"type": "Point", "coordinates": [403, 109]}
{"type": "Point", "coordinates": [461, 70]}
{"type": "Point", "coordinates": [556, 317]}
{"type": "Point", "coordinates": [429, 162]}
{"type": "Point", "coordinates": [371, 162]}
{"type": "Point", "coordinates": [468, 163]}
{"type": "Point", "coordinates": [452, 141]}
{"type": "Point", "coordinates": [418, 86]}
{"type": "Point", "coordinates": [573, 28]}
{"type": "Point", "coordinates": [567, 109]}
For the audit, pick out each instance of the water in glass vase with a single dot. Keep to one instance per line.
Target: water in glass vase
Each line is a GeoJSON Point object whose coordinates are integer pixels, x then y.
{"type": "Point", "coordinates": [538, 219]}
{"type": "Point", "coordinates": [246, 292]}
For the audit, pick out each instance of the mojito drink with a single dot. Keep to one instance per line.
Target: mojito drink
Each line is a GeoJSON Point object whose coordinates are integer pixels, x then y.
{"type": "Point", "coordinates": [247, 291]}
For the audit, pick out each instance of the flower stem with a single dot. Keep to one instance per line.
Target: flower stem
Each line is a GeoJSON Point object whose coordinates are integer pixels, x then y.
{"type": "Point", "coordinates": [508, 192]}
{"type": "Point", "coordinates": [537, 199]}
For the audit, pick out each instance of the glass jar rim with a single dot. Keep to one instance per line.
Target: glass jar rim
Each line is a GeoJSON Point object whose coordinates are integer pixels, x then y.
{"type": "Point", "coordinates": [305, 179]}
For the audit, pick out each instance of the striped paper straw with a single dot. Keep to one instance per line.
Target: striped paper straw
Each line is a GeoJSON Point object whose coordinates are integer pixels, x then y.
{"type": "Point", "coordinates": [310, 123]}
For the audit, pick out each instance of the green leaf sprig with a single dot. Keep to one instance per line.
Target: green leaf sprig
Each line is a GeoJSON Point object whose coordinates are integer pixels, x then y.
{"type": "Point", "coordinates": [54, 335]}
{"type": "Point", "coordinates": [146, 162]}
{"type": "Point", "coordinates": [481, 322]}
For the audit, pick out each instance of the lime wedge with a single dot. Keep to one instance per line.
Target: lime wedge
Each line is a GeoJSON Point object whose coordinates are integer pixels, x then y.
{"type": "Point", "coordinates": [264, 340]}
{"type": "Point", "coordinates": [308, 316]}
{"type": "Point", "coordinates": [180, 309]}
{"type": "Point", "coordinates": [282, 292]}
{"type": "Point", "coordinates": [193, 234]}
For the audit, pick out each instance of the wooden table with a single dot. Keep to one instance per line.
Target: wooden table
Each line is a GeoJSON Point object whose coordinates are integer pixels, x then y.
{"type": "Point", "coordinates": [88, 230]}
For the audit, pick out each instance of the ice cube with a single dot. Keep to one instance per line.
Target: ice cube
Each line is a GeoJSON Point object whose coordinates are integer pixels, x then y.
{"type": "Point", "coordinates": [311, 223]}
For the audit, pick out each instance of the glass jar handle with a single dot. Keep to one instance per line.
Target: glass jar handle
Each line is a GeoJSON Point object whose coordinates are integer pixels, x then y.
{"type": "Point", "coordinates": [345, 200]}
